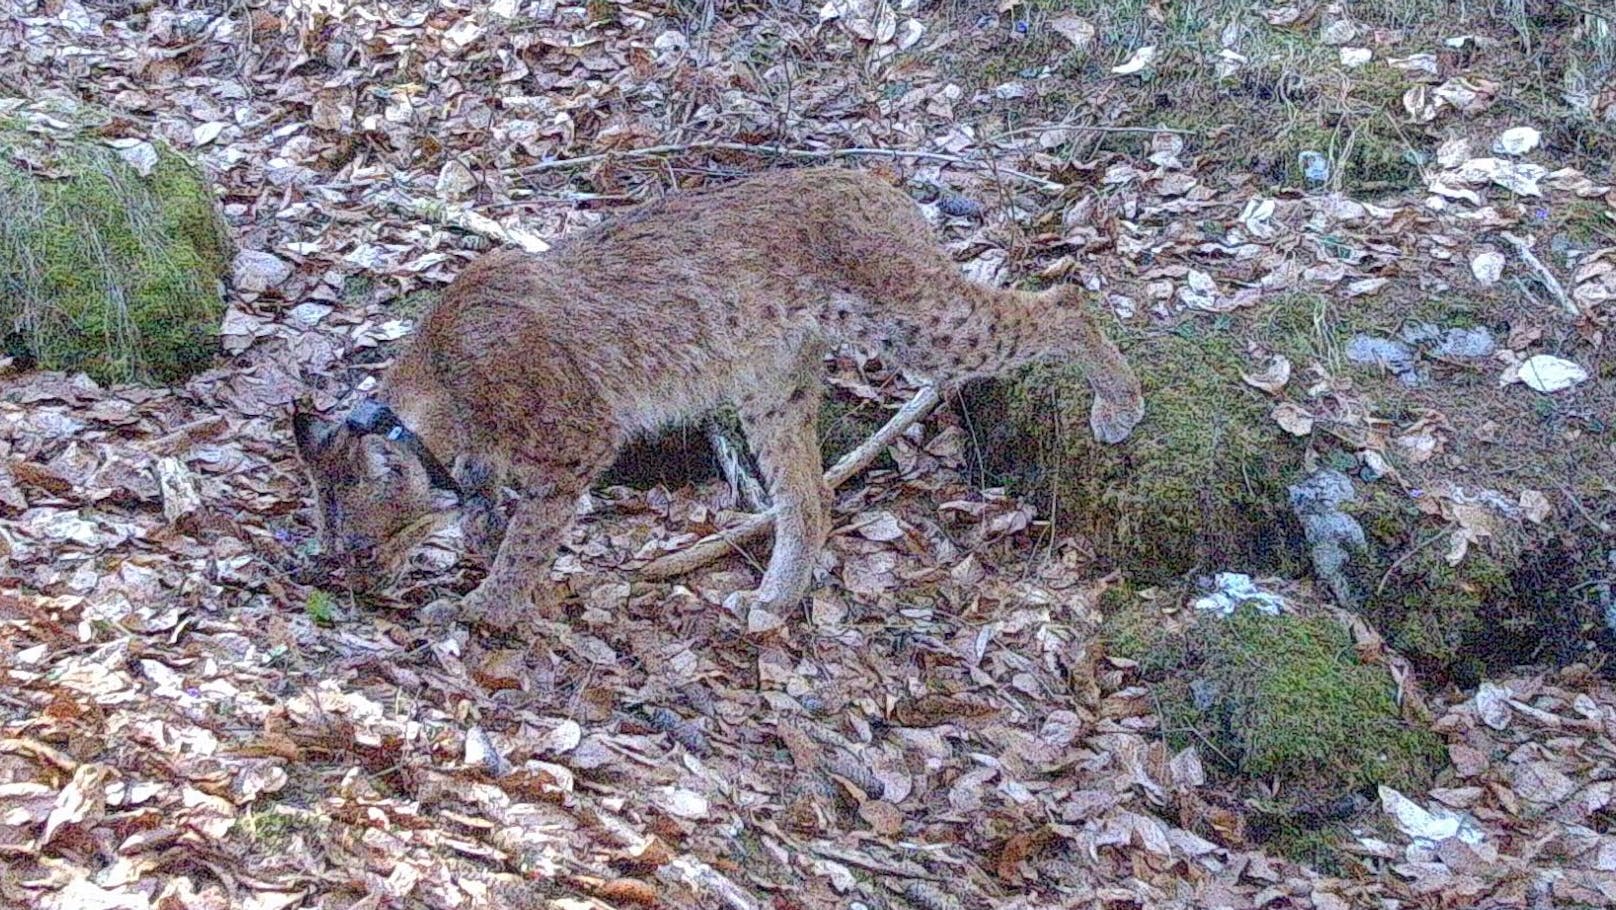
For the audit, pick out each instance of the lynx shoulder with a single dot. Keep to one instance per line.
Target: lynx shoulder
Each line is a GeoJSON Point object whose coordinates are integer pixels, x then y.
{"type": "Point", "coordinates": [534, 369]}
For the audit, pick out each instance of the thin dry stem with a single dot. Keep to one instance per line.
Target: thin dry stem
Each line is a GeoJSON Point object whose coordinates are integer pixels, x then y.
{"type": "Point", "coordinates": [754, 528]}
{"type": "Point", "coordinates": [1555, 288]}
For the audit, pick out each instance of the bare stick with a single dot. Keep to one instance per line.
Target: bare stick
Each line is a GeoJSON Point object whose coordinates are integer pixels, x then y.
{"type": "Point", "coordinates": [711, 145]}
{"type": "Point", "coordinates": [181, 498]}
{"type": "Point", "coordinates": [185, 436]}
{"type": "Point", "coordinates": [732, 461]}
{"type": "Point", "coordinates": [911, 413]}
{"type": "Point", "coordinates": [1556, 290]}
{"type": "Point", "coordinates": [467, 220]}
{"type": "Point", "coordinates": [715, 546]}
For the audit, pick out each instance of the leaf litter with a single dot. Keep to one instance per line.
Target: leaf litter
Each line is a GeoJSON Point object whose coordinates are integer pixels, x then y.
{"type": "Point", "coordinates": [185, 724]}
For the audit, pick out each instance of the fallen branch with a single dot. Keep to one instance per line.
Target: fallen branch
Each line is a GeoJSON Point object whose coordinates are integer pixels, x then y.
{"type": "Point", "coordinates": [784, 152]}
{"type": "Point", "coordinates": [182, 500]}
{"type": "Point", "coordinates": [1556, 290]}
{"type": "Point", "coordinates": [467, 220]}
{"type": "Point", "coordinates": [715, 546]}
{"type": "Point", "coordinates": [732, 462]}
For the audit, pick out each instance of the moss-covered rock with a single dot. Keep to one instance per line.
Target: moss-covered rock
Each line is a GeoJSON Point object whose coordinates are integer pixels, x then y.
{"type": "Point", "coordinates": [1206, 482]}
{"type": "Point", "coordinates": [1200, 484]}
{"type": "Point", "coordinates": [106, 266]}
{"type": "Point", "coordinates": [1282, 706]}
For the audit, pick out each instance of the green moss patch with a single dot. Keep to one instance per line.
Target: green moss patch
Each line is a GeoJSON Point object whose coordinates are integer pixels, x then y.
{"type": "Point", "coordinates": [102, 268]}
{"type": "Point", "coordinates": [1204, 483]}
{"type": "Point", "coordinates": [1201, 483]}
{"type": "Point", "coordinates": [1281, 707]}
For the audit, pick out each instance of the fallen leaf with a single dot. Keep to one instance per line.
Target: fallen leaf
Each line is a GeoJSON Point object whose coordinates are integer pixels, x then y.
{"type": "Point", "coordinates": [1487, 265]}
{"type": "Point", "coordinates": [1517, 141]}
{"type": "Point", "coordinates": [1141, 59]}
{"type": "Point", "coordinates": [1273, 377]}
{"type": "Point", "coordinates": [1535, 506]}
{"type": "Point", "coordinates": [1075, 29]}
{"type": "Point", "coordinates": [1293, 419]}
{"type": "Point", "coordinates": [1547, 373]}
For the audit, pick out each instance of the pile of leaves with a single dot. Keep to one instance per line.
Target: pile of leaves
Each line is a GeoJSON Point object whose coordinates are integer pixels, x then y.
{"type": "Point", "coordinates": [183, 723]}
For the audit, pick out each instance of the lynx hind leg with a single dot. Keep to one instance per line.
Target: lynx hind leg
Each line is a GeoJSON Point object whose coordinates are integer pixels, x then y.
{"type": "Point", "coordinates": [518, 584]}
{"type": "Point", "coordinates": [781, 429]}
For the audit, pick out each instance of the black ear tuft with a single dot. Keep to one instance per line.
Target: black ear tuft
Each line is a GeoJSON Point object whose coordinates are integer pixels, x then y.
{"type": "Point", "coordinates": [310, 431]}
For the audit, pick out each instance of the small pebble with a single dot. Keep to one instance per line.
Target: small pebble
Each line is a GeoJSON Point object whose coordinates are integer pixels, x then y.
{"type": "Point", "coordinates": [956, 206]}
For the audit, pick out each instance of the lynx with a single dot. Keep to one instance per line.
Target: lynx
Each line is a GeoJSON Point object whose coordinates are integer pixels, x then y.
{"type": "Point", "coordinates": [534, 369]}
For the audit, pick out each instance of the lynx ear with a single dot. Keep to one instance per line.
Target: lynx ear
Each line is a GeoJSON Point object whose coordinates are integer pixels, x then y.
{"type": "Point", "coordinates": [310, 431]}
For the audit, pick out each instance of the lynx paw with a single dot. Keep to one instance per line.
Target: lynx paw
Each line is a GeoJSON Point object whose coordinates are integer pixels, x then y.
{"type": "Point", "coordinates": [484, 529]}
{"type": "Point", "coordinates": [761, 616]}
{"type": "Point", "coordinates": [1112, 421]}
{"type": "Point", "coordinates": [501, 608]}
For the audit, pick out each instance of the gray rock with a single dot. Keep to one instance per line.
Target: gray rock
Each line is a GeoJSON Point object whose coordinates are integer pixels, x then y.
{"type": "Point", "coordinates": [1396, 356]}
{"type": "Point", "coordinates": [1332, 535]}
{"type": "Point", "coordinates": [1454, 344]}
{"type": "Point", "coordinates": [1465, 343]}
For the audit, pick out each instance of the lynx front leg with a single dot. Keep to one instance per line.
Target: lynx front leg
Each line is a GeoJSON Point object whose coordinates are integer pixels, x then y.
{"type": "Point", "coordinates": [482, 521]}
{"type": "Point", "coordinates": [1119, 403]}
{"type": "Point", "coordinates": [782, 432]}
{"type": "Point", "coordinates": [518, 582]}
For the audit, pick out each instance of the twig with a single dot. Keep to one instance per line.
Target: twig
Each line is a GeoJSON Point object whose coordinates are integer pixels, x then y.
{"type": "Point", "coordinates": [467, 220]}
{"type": "Point", "coordinates": [180, 439]}
{"type": "Point", "coordinates": [855, 461]}
{"type": "Point", "coordinates": [1606, 17]}
{"type": "Point", "coordinates": [715, 145]}
{"type": "Point", "coordinates": [1576, 503]}
{"type": "Point", "coordinates": [1088, 128]}
{"type": "Point", "coordinates": [1412, 551]}
{"type": "Point", "coordinates": [1556, 290]}
{"type": "Point", "coordinates": [732, 462]}
{"type": "Point", "coordinates": [716, 546]}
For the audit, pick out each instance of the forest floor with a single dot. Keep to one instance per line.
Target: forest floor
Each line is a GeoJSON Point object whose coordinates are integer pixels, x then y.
{"type": "Point", "coordinates": [185, 725]}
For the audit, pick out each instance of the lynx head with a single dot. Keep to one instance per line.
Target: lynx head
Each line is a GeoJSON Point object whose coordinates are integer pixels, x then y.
{"type": "Point", "coordinates": [375, 496]}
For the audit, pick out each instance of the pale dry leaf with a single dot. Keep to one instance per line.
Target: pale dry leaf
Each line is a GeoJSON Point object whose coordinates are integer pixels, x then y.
{"type": "Point", "coordinates": [1364, 287]}
{"type": "Point", "coordinates": [256, 271]}
{"type": "Point", "coordinates": [1273, 377]}
{"type": "Point", "coordinates": [881, 526]}
{"type": "Point", "coordinates": [1535, 506]}
{"type": "Point", "coordinates": [1354, 57]}
{"type": "Point", "coordinates": [1282, 15]}
{"type": "Point", "coordinates": [1547, 373]}
{"type": "Point", "coordinates": [1492, 704]}
{"type": "Point", "coordinates": [204, 133]}
{"type": "Point", "coordinates": [1517, 141]}
{"type": "Point", "coordinates": [1137, 62]}
{"type": "Point", "coordinates": [1075, 29]}
{"type": "Point", "coordinates": [1293, 419]}
{"type": "Point", "coordinates": [1487, 265]}
{"type": "Point", "coordinates": [137, 153]}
